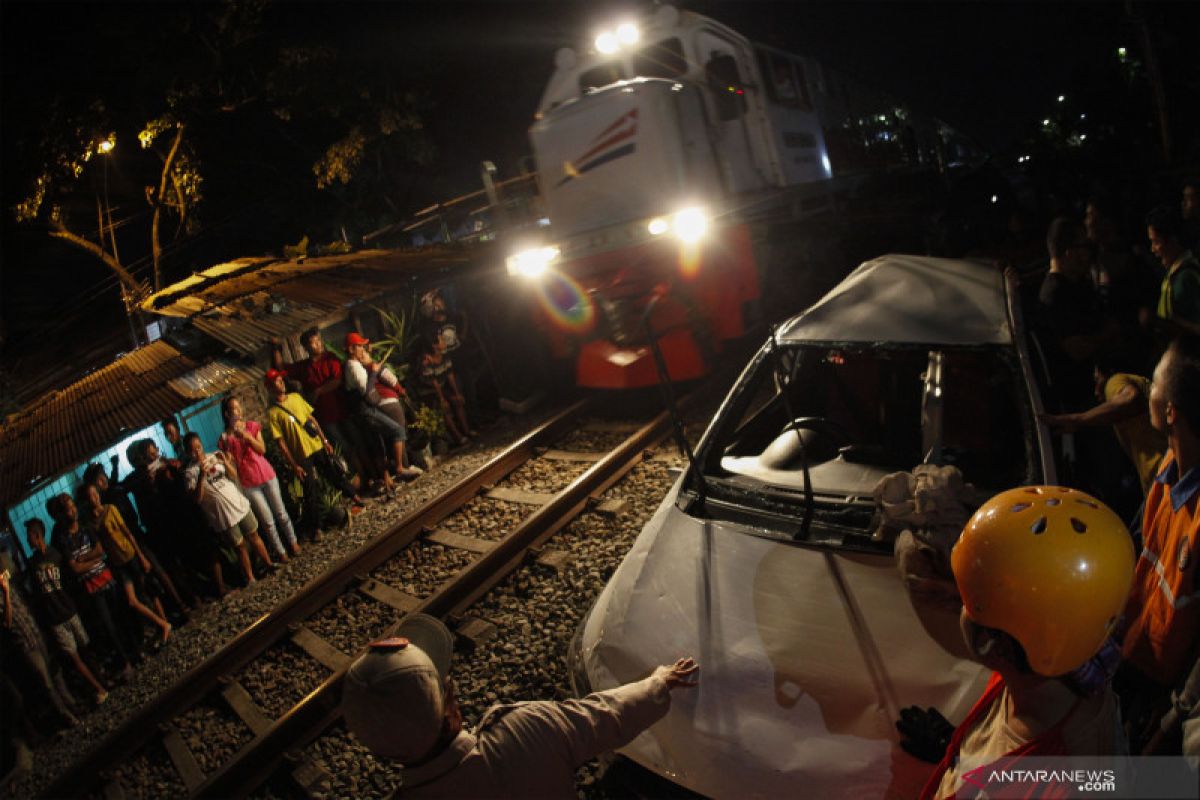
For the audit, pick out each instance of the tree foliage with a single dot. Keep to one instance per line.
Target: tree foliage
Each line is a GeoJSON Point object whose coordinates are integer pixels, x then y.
{"type": "Point", "coordinates": [231, 103]}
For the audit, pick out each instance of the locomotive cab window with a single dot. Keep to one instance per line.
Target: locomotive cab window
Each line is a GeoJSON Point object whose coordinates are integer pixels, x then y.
{"type": "Point", "coordinates": [663, 59]}
{"type": "Point", "coordinates": [729, 93]}
{"type": "Point", "coordinates": [784, 79]}
{"type": "Point", "coordinates": [602, 75]}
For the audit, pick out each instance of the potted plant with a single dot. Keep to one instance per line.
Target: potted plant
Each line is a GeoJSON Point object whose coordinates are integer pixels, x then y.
{"type": "Point", "coordinates": [430, 422]}
{"type": "Point", "coordinates": [398, 333]}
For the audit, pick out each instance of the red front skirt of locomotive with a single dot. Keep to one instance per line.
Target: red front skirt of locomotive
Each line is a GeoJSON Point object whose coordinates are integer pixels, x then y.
{"type": "Point", "coordinates": [593, 308]}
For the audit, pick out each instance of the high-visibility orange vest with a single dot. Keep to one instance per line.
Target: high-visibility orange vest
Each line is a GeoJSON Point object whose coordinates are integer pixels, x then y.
{"type": "Point", "coordinates": [1163, 615]}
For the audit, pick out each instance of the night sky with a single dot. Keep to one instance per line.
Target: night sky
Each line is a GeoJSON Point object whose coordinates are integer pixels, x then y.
{"type": "Point", "coordinates": [990, 69]}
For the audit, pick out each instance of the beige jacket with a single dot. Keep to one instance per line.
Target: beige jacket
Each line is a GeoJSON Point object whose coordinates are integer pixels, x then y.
{"type": "Point", "coordinates": [531, 750]}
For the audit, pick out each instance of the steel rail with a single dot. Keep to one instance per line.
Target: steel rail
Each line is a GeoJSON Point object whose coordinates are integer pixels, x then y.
{"type": "Point", "coordinates": [124, 742]}
{"type": "Point", "coordinates": [257, 760]}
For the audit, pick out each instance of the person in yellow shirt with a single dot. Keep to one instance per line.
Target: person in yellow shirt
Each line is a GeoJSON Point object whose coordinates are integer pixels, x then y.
{"type": "Point", "coordinates": [125, 558]}
{"type": "Point", "coordinates": [306, 450]}
{"type": "Point", "coordinates": [1125, 406]}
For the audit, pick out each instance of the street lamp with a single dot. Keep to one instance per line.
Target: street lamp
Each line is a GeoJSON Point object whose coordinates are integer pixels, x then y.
{"type": "Point", "coordinates": [104, 147]}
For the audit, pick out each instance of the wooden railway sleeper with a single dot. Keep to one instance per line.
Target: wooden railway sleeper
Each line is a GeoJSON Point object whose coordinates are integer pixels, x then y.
{"type": "Point", "coordinates": [184, 761]}
{"type": "Point", "coordinates": [321, 708]}
{"type": "Point", "coordinates": [239, 701]}
{"type": "Point", "coordinates": [474, 632]}
{"type": "Point", "coordinates": [307, 776]}
{"type": "Point", "coordinates": [287, 618]}
{"type": "Point", "coordinates": [319, 649]}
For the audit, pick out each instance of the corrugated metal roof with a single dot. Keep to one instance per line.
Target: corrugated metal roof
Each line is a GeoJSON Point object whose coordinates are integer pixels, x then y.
{"type": "Point", "coordinates": [61, 429]}
{"type": "Point", "coordinates": [246, 331]}
{"type": "Point", "coordinates": [214, 378]}
{"type": "Point", "coordinates": [244, 303]}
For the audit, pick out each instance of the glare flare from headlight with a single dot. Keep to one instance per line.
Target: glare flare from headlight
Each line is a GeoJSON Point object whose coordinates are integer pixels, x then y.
{"type": "Point", "coordinates": [607, 43]}
{"type": "Point", "coordinates": [628, 33]}
{"type": "Point", "coordinates": [690, 225]}
{"type": "Point", "coordinates": [531, 263]}
{"type": "Point", "coordinates": [658, 226]}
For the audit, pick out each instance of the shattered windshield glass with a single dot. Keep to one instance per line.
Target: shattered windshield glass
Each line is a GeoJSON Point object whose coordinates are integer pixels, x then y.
{"type": "Point", "coordinates": [858, 413]}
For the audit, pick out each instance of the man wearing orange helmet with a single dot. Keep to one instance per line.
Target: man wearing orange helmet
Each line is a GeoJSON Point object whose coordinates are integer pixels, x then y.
{"type": "Point", "coordinates": [1162, 638]}
{"type": "Point", "coordinates": [1044, 572]}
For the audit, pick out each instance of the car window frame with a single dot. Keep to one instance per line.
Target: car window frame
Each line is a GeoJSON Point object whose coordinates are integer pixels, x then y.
{"type": "Point", "coordinates": [732, 416]}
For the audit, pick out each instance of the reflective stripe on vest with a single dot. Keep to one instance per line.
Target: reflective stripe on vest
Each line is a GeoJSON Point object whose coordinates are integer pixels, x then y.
{"type": "Point", "coordinates": [1176, 603]}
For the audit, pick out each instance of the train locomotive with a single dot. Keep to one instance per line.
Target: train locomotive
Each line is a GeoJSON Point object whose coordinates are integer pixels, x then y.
{"type": "Point", "coordinates": [667, 152]}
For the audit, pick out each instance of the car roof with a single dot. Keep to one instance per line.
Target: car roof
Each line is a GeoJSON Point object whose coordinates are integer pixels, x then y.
{"type": "Point", "coordinates": [906, 299]}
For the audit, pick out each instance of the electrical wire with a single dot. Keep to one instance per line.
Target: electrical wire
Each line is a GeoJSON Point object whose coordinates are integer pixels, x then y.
{"type": "Point", "coordinates": [141, 267]}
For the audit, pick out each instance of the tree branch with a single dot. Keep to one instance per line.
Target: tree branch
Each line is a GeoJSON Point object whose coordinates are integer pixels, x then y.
{"type": "Point", "coordinates": [58, 231]}
{"type": "Point", "coordinates": [155, 243]}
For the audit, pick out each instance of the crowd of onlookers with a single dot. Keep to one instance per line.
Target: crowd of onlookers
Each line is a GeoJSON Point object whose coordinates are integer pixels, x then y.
{"type": "Point", "coordinates": [121, 561]}
{"type": "Point", "coordinates": [1090, 619]}
{"type": "Point", "coordinates": [1101, 315]}
{"type": "Point", "coordinates": [1091, 635]}
{"type": "Point", "coordinates": [1115, 333]}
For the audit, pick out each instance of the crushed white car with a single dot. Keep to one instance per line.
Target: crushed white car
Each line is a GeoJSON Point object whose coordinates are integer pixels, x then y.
{"type": "Point", "coordinates": [764, 561]}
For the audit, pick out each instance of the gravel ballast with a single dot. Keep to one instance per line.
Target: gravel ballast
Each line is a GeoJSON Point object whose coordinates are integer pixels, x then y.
{"type": "Point", "coordinates": [217, 622]}
{"type": "Point", "coordinates": [535, 611]}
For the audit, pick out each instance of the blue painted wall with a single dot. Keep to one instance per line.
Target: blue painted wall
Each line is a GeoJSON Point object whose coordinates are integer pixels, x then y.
{"type": "Point", "coordinates": [204, 418]}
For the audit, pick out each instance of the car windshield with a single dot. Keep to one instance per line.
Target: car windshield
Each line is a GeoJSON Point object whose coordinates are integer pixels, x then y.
{"type": "Point", "coordinates": [859, 413]}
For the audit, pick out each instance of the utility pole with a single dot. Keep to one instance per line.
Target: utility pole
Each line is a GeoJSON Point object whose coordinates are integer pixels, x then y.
{"type": "Point", "coordinates": [128, 297]}
{"type": "Point", "coordinates": [488, 173]}
{"type": "Point", "coordinates": [1154, 75]}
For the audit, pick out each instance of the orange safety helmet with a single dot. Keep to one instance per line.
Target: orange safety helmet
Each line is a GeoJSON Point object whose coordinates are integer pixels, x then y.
{"type": "Point", "coordinates": [1051, 567]}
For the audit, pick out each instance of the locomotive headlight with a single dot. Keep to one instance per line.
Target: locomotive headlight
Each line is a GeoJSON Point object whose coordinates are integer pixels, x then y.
{"type": "Point", "coordinates": [624, 35]}
{"type": "Point", "coordinates": [607, 43]}
{"type": "Point", "coordinates": [690, 225]}
{"type": "Point", "coordinates": [531, 263]}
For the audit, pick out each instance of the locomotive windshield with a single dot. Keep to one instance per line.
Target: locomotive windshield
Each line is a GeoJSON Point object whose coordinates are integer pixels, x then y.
{"type": "Point", "coordinates": [857, 414]}
{"type": "Point", "coordinates": [600, 76]}
{"type": "Point", "coordinates": [663, 59]}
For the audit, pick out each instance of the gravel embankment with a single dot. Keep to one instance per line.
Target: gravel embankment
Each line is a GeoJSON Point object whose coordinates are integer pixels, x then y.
{"type": "Point", "coordinates": [536, 612]}
{"type": "Point", "coordinates": [216, 623]}
{"type": "Point", "coordinates": [213, 733]}
{"type": "Point", "coordinates": [485, 518]}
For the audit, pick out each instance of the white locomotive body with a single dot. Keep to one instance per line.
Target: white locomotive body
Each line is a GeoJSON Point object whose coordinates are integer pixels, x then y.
{"type": "Point", "coordinates": [658, 153]}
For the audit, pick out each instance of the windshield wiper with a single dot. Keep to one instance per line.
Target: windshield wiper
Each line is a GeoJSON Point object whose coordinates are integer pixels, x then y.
{"type": "Point", "coordinates": [785, 379]}
{"type": "Point", "coordinates": [668, 393]}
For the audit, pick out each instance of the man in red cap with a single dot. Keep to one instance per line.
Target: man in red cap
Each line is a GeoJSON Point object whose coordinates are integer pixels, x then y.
{"type": "Point", "coordinates": [320, 378]}
{"type": "Point", "coordinates": [305, 448]}
{"type": "Point", "coordinates": [377, 393]}
{"type": "Point", "coordinates": [398, 700]}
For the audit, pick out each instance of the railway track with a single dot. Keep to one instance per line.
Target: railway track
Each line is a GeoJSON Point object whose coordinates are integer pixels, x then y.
{"type": "Point", "coordinates": [221, 689]}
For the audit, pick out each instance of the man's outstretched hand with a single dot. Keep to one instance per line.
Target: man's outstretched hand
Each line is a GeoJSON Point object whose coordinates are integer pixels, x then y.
{"type": "Point", "coordinates": [681, 673]}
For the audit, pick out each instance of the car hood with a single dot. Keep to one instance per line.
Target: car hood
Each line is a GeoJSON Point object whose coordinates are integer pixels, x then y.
{"type": "Point", "coordinates": [806, 657]}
